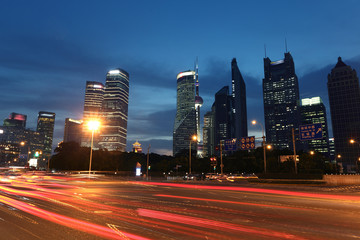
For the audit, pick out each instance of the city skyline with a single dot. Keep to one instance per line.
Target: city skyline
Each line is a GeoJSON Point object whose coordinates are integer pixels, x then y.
{"type": "Point", "coordinates": [48, 57]}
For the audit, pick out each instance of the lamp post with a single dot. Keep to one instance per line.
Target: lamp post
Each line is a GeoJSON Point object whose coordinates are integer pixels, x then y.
{"type": "Point", "coordinates": [263, 142]}
{"type": "Point", "coordinates": [193, 138]}
{"type": "Point", "coordinates": [147, 163]}
{"type": "Point", "coordinates": [352, 141]}
{"type": "Point", "coordinates": [28, 150]}
{"type": "Point", "coordinates": [93, 125]}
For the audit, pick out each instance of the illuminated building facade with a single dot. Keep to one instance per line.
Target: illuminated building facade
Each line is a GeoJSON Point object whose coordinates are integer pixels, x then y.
{"type": "Point", "coordinates": [16, 120]}
{"type": "Point", "coordinates": [281, 100]}
{"type": "Point", "coordinates": [94, 95]}
{"type": "Point", "coordinates": [73, 130]}
{"type": "Point", "coordinates": [113, 130]}
{"type": "Point", "coordinates": [185, 124]}
{"type": "Point", "coordinates": [313, 111]}
{"type": "Point", "coordinates": [45, 126]}
{"type": "Point", "coordinates": [239, 111]}
{"type": "Point", "coordinates": [344, 99]}
{"type": "Point", "coordinates": [137, 147]}
{"type": "Point", "coordinates": [208, 134]}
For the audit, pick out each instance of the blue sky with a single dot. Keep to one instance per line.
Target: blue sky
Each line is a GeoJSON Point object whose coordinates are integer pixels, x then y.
{"type": "Point", "coordinates": [49, 49]}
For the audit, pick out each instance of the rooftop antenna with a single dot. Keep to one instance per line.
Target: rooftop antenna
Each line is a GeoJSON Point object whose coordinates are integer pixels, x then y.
{"type": "Point", "coordinates": [197, 77]}
{"type": "Point", "coordinates": [286, 46]}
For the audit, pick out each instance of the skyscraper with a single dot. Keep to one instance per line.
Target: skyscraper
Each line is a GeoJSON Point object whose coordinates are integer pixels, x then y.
{"type": "Point", "coordinates": [223, 115]}
{"type": "Point", "coordinates": [185, 124]}
{"type": "Point", "coordinates": [344, 98]}
{"type": "Point", "coordinates": [281, 100]}
{"type": "Point", "coordinates": [198, 102]}
{"type": "Point", "coordinates": [115, 111]}
{"type": "Point", "coordinates": [313, 111]}
{"type": "Point", "coordinates": [73, 130]}
{"type": "Point", "coordinates": [239, 125]}
{"type": "Point", "coordinates": [94, 95]}
{"type": "Point", "coordinates": [208, 133]}
{"type": "Point", "coordinates": [45, 126]}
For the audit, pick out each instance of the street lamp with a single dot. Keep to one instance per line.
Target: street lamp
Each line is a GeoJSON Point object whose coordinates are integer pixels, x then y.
{"type": "Point", "coordinates": [193, 138]}
{"type": "Point", "coordinates": [93, 125]}
{"type": "Point", "coordinates": [28, 150]}
{"type": "Point", "coordinates": [263, 142]}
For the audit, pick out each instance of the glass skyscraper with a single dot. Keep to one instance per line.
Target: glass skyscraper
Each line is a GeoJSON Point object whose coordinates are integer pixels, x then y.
{"type": "Point", "coordinates": [281, 100]}
{"type": "Point", "coordinates": [239, 124]}
{"type": "Point", "coordinates": [73, 130]}
{"type": "Point", "coordinates": [313, 111]}
{"type": "Point", "coordinates": [344, 98]}
{"type": "Point", "coordinates": [45, 126]}
{"type": "Point", "coordinates": [223, 115]}
{"type": "Point", "coordinates": [185, 125]}
{"type": "Point", "coordinates": [94, 95]}
{"type": "Point", "coordinates": [113, 129]}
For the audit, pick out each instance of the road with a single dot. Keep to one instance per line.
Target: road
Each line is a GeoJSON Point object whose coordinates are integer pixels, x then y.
{"type": "Point", "coordinates": [38, 206]}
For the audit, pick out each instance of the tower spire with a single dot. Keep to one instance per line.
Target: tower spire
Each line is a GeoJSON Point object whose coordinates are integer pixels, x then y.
{"type": "Point", "coordinates": [265, 49]}
{"type": "Point", "coordinates": [286, 50]}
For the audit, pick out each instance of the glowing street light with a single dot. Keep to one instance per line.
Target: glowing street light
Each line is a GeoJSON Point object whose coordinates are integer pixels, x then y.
{"type": "Point", "coordinates": [312, 152]}
{"type": "Point", "coordinates": [193, 138]}
{"type": "Point", "coordinates": [93, 125]}
{"type": "Point", "coordinates": [263, 142]}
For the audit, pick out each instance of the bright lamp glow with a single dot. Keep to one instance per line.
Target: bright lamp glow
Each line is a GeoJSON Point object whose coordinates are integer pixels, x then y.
{"type": "Point", "coordinates": [194, 137]}
{"type": "Point", "coordinates": [93, 125]}
{"type": "Point", "coordinates": [352, 141]}
{"type": "Point", "coordinates": [253, 122]}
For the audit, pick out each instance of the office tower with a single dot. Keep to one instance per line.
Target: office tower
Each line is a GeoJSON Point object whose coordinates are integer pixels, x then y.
{"type": "Point", "coordinates": [45, 126]}
{"type": "Point", "coordinates": [73, 130]}
{"type": "Point", "coordinates": [16, 120]}
{"type": "Point", "coordinates": [208, 134]}
{"type": "Point", "coordinates": [239, 125]}
{"type": "Point", "coordinates": [281, 99]}
{"type": "Point", "coordinates": [113, 130]}
{"type": "Point", "coordinates": [185, 125]}
{"type": "Point", "coordinates": [223, 115]}
{"type": "Point", "coordinates": [344, 99]}
{"type": "Point", "coordinates": [94, 94]}
{"type": "Point", "coordinates": [313, 111]}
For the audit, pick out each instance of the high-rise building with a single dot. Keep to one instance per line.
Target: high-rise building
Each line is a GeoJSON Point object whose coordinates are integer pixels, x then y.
{"type": "Point", "coordinates": [73, 130]}
{"type": "Point", "coordinates": [113, 130]}
{"type": "Point", "coordinates": [313, 111]}
{"type": "Point", "coordinates": [208, 134]}
{"type": "Point", "coordinates": [239, 111]}
{"type": "Point", "coordinates": [281, 101]}
{"type": "Point", "coordinates": [45, 126]}
{"type": "Point", "coordinates": [344, 99]}
{"type": "Point", "coordinates": [94, 95]}
{"type": "Point", "coordinates": [185, 125]}
{"type": "Point", "coordinates": [223, 115]}
{"type": "Point", "coordinates": [198, 104]}
{"type": "Point", "coordinates": [16, 120]}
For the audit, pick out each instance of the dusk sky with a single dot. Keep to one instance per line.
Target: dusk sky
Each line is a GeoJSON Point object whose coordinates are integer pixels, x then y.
{"type": "Point", "coordinates": [49, 49]}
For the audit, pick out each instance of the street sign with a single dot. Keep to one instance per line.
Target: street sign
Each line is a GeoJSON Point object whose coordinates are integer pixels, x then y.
{"type": "Point", "coordinates": [247, 143]}
{"type": "Point", "coordinates": [310, 131]}
{"type": "Point", "coordinates": [230, 144]}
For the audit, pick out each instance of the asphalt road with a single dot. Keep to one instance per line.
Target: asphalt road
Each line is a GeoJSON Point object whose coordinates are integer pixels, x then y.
{"type": "Point", "coordinates": [36, 206]}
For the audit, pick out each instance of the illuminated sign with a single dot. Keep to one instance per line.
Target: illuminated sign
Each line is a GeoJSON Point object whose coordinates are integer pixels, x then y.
{"type": "Point", "coordinates": [310, 101]}
{"type": "Point", "coordinates": [1, 131]}
{"type": "Point", "coordinates": [114, 71]}
{"type": "Point", "coordinates": [247, 143]}
{"type": "Point", "coordinates": [184, 74]}
{"type": "Point", "coordinates": [47, 115]}
{"type": "Point", "coordinates": [230, 144]}
{"type": "Point", "coordinates": [33, 162]}
{"type": "Point", "coordinates": [277, 62]}
{"type": "Point", "coordinates": [97, 86]}
{"type": "Point", "coordinates": [310, 131]}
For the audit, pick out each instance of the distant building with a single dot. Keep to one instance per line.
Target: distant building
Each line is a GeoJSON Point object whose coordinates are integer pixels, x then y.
{"type": "Point", "coordinates": [185, 125]}
{"type": "Point", "coordinates": [332, 149]}
{"type": "Point", "coordinates": [281, 101]}
{"type": "Point", "coordinates": [73, 130]}
{"type": "Point", "coordinates": [239, 111]}
{"type": "Point", "coordinates": [114, 110]}
{"type": "Point", "coordinates": [208, 134]}
{"type": "Point", "coordinates": [94, 95]}
{"type": "Point", "coordinates": [344, 99]}
{"type": "Point", "coordinates": [16, 120]}
{"type": "Point", "coordinates": [45, 126]}
{"type": "Point", "coordinates": [137, 147]}
{"type": "Point", "coordinates": [313, 111]}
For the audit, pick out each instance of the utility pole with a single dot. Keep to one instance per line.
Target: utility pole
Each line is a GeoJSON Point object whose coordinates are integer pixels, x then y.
{"type": "Point", "coordinates": [221, 158]}
{"type": "Point", "coordinates": [293, 138]}
{"type": "Point", "coordinates": [147, 164]}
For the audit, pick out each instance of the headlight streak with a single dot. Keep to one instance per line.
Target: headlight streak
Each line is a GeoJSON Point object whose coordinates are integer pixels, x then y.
{"type": "Point", "coordinates": [205, 223]}
{"type": "Point", "coordinates": [256, 190]}
{"type": "Point", "coordinates": [67, 221]}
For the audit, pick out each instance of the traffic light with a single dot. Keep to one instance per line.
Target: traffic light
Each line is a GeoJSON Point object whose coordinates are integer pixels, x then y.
{"type": "Point", "coordinates": [36, 154]}
{"type": "Point", "coordinates": [213, 161]}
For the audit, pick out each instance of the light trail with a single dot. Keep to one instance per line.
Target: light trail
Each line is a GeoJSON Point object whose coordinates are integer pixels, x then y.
{"type": "Point", "coordinates": [256, 190]}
